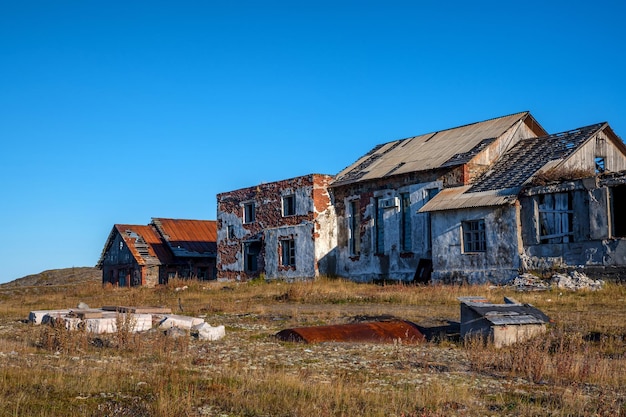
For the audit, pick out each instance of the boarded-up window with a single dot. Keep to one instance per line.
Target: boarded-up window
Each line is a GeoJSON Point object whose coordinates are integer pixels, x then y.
{"type": "Point", "coordinates": [379, 230]}
{"type": "Point", "coordinates": [405, 222]}
{"type": "Point", "coordinates": [555, 218]}
{"type": "Point", "coordinates": [354, 226]}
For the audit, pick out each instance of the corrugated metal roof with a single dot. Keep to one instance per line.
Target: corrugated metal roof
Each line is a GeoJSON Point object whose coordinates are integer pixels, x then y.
{"type": "Point", "coordinates": [188, 238]}
{"type": "Point", "coordinates": [433, 150]}
{"type": "Point", "coordinates": [508, 314]}
{"type": "Point", "coordinates": [379, 332]}
{"type": "Point", "coordinates": [459, 197]}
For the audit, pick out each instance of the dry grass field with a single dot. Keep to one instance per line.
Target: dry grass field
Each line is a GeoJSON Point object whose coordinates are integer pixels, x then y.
{"type": "Point", "coordinates": [577, 369]}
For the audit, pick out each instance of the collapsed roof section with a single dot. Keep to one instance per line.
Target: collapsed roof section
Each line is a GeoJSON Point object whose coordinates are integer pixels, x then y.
{"type": "Point", "coordinates": [503, 182]}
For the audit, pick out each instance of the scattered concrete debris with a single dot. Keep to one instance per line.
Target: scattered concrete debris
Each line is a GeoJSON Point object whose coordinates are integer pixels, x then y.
{"type": "Point", "coordinates": [502, 324]}
{"type": "Point", "coordinates": [135, 319]}
{"type": "Point", "coordinates": [205, 331]}
{"type": "Point", "coordinates": [379, 332]}
{"type": "Point", "coordinates": [576, 281]}
{"type": "Point", "coordinates": [573, 281]}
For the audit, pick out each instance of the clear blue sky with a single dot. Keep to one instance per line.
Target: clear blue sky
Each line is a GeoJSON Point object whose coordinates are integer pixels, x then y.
{"type": "Point", "coordinates": [120, 111]}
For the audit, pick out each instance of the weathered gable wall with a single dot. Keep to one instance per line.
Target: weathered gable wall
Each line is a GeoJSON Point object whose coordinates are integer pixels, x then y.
{"type": "Point", "coordinates": [119, 267]}
{"type": "Point", "coordinates": [599, 146]}
{"type": "Point", "coordinates": [499, 262]}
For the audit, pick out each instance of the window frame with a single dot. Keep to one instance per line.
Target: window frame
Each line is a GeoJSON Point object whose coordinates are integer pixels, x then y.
{"type": "Point", "coordinates": [474, 236]}
{"type": "Point", "coordinates": [354, 227]}
{"type": "Point", "coordinates": [249, 212]}
{"type": "Point", "coordinates": [288, 253]}
{"type": "Point", "coordinates": [289, 205]}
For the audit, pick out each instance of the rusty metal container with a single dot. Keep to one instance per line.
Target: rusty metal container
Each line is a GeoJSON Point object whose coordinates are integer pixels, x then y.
{"type": "Point", "coordinates": [376, 332]}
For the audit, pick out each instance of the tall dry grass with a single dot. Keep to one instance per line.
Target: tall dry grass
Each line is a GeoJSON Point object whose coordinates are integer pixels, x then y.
{"type": "Point", "coordinates": [576, 369]}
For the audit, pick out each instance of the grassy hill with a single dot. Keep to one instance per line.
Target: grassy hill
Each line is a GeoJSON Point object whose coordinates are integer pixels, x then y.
{"type": "Point", "coordinates": [65, 276]}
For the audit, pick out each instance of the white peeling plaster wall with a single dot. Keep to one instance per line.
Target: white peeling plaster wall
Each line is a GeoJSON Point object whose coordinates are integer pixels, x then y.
{"type": "Point", "coordinates": [499, 263]}
{"type": "Point", "coordinates": [305, 252]}
{"type": "Point", "coordinates": [222, 238]}
{"type": "Point", "coordinates": [391, 265]}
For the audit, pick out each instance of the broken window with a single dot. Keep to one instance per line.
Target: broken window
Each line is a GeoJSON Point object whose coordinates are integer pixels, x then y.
{"type": "Point", "coordinates": [354, 226]}
{"type": "Point", "coordinates": [248, 213]}
{"type": "Point", "coordinates": [251, 253]}
{"type": "Point", "coordinates": [379, 231]}
{"type": "Point", "coordinates": [289, 205]}
{"type": "Point", "coordinates": [288, 252]}
{"type": "Point", "coordinates": [600, 165]}
{"type": "Point", "coordinates": [618, 199]}
{"type": "Point", "coordinates": [405, 222]}
{"type": "Point", "coordinates": [555, 218]}
{"type": "Point", "coordinates": [474, 239]}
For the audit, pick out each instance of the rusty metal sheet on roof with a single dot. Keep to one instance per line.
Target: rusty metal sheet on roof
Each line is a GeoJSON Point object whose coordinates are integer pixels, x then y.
{"type": "Point", "coordinates": [144, 244]}
{"type": "Point", "coordinates": [378, 332]}
{"type": "Point", "coordinates": [460, 197]}
{"type": "Point", "coordinates": [433, 150]}
{"type": "Point", "coordinates": [188, 238]}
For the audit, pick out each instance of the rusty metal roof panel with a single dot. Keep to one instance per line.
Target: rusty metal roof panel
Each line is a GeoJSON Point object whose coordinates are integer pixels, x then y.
{"type": "Point", "coordinates": [377, 332]}
{"type": "Point", "coordinates": [430, 151]}
{"type": "Point", "coordinates": [144, 244]}
{"type": "Point", "coordinates": [188, 238]}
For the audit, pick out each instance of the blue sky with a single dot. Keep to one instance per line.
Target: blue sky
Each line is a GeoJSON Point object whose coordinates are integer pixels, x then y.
{"type": "Point", "coordinates": [117, 112]}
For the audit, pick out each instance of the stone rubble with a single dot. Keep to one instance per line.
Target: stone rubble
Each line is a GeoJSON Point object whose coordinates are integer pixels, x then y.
{"type": "Point", "coordinates": [574, 281]}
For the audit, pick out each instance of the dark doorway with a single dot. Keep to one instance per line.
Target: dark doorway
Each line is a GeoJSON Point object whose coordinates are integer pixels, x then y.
{"type": "Point", "coordinates": [251, 255]}
{"type": "Point", "coordinates": [424, 269]}
{"type": "Point", "coordinates": [618, 197]}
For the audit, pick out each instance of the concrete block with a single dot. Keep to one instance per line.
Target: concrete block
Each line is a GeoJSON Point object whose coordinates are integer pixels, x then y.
{"type": "Point", "coordinates": [36, 317]}
{"type": "Point", "coordinates": [208, 332]}
{"type": "Point", "coordinates": [182, 322]}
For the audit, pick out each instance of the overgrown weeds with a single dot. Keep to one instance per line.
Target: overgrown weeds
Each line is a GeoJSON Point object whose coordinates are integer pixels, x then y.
{"type": "Point", "coordinates": [578, 368]}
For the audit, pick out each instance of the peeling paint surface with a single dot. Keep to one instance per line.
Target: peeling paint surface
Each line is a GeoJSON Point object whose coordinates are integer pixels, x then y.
{"type": "Point", "coordinates": [296, 211]}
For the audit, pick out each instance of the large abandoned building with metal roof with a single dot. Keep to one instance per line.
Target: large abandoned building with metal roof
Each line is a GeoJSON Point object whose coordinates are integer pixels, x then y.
{"type": "Point", "coordinates": [476, 203]}
{"type": "Point", "coordinates": [149, 255]}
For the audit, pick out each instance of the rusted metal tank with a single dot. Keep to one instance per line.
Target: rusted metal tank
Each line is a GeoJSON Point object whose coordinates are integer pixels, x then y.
{"type": "Point", "coordinates": [377, 332]}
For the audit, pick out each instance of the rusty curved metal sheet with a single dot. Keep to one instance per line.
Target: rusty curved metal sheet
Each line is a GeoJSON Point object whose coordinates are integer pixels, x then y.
{"type": "Point", "coordinates": [378, 332]}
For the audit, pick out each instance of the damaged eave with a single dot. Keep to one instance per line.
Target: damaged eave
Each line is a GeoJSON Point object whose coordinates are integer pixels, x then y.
{"type": "Point", "coordinates": [458, 198]}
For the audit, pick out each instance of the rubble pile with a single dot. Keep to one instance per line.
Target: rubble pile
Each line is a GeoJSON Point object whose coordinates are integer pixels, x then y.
{"type": "Point", "coordinates": [574, 281]}
{"type": "Point", "coordinates": [137, 319]}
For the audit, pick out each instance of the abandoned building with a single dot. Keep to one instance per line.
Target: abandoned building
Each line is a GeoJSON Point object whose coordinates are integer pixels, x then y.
{"type": "Point", "coordinates": [548, 202]}
{"type": "Point", "coordinates": [136, 255]}
{"type": "Point", "coordinates": [501, 324]}
{"type": "Point", "coordinates": [283, 229]}
{"type": "Point", "coordinates": [476, 203]}
{"type": "Point", "coordinates": [381, 233]}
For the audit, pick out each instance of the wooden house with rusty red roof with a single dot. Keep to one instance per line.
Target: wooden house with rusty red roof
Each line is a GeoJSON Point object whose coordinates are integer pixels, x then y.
{"type": "Point", "coordinates": [135, 255]}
